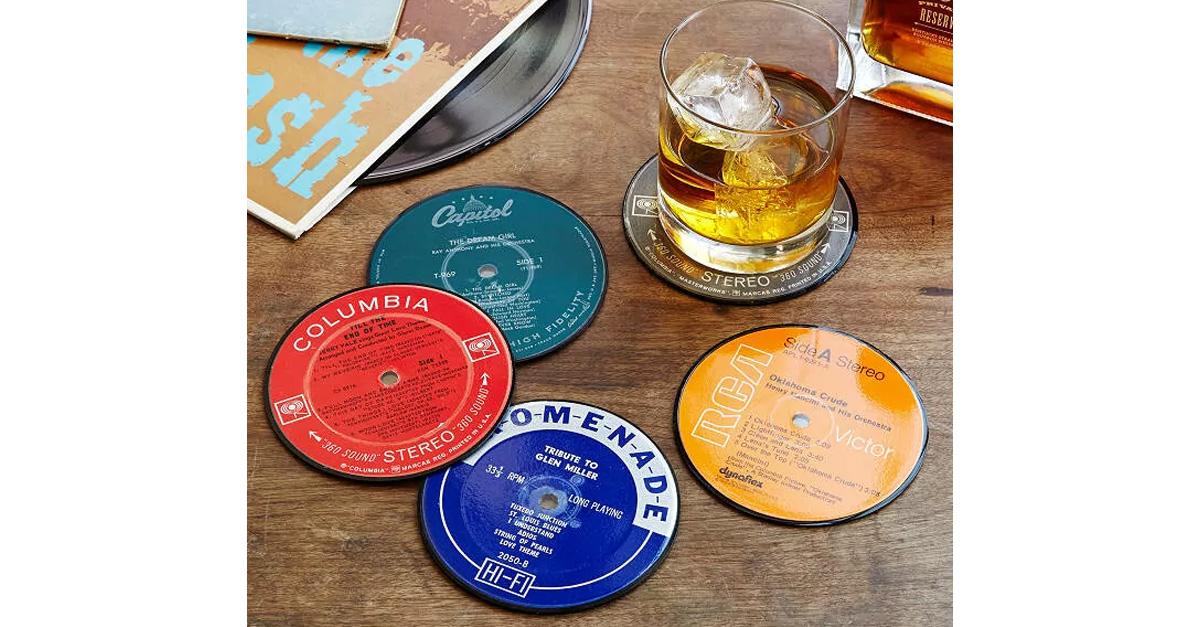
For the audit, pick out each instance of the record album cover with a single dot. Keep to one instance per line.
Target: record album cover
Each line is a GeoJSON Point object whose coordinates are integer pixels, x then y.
{"type": "Point", "coordinates": [318, 114]}
{"type": "Point", "coordinates": [370, 23]}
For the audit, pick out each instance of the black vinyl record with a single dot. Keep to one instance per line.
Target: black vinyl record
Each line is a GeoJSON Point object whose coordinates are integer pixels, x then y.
{"type": "Point", "coordinates": [501, 95]}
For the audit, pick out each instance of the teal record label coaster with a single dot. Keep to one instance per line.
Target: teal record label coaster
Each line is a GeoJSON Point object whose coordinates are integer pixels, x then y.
{"type": "Point", "coordinates": [526, 259]}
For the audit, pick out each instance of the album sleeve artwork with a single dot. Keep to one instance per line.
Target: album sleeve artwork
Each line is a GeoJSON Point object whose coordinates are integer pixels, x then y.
{"type": "Point", "coordinates": [318, 114]}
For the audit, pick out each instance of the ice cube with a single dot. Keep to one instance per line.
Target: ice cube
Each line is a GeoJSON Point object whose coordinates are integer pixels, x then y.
{"type": "Point", "coordinates": [724, 89]}
{"type": "Point", "coordinates": [756, 187]}
{"type": "Point", "coordinates": [769, 162]}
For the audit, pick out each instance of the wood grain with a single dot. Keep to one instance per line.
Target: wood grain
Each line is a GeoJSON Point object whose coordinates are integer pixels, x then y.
{"type": "Point", "coordinates": [328, 552]}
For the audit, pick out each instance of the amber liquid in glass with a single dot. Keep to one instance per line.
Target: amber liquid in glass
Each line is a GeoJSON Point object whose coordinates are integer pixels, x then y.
{"type": "Point", "coordinates": [916, 36]}
{"type": "Point", "coordinates": [769, 188]}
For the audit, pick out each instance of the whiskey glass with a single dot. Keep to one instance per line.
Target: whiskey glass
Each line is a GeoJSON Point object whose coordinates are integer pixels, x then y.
{"type": "Point", "coordinates": [751, 130]}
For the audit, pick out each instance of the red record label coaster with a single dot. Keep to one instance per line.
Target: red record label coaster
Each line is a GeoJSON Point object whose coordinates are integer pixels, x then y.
{"type": "Point", "coordinates": [389, 382]}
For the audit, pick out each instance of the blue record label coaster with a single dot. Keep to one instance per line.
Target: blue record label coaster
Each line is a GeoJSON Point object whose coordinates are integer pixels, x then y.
{"type": "Point", "coordinates": [565, 507]}
{"type": "Point", "coordinates": [526, 259]}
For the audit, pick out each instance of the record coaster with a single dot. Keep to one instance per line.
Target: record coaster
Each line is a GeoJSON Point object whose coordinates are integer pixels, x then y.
{"type": "Point", "coordinates": [529, 261]}
{"type": "Point", "coordinates": [801, 425]}
{"type": "Point", "coordinates": [656, 251]}
{"type": "Point", "coordinates": [567, 506]}
{"type": "Point", "coordinates": [388, 382]}
{"type": "Point", "coordinates": [503, 93]}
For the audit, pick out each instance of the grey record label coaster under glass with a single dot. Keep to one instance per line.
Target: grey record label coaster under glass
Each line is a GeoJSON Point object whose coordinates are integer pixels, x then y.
{"type": "Point", "coordinates": [503, 93]}
{"type": "Point", "coordinates": [657, 252]}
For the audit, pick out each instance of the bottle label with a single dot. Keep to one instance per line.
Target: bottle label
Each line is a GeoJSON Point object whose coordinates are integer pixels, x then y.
{"type": "Point", "coordinates": [934, 22]}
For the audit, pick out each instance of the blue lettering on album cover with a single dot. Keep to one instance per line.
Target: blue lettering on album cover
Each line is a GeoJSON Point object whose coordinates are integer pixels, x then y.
{"type": "Point", "coordinates": [301, 109]}
{"type": "Point", "coordinates": [257, 87]}
{"type": "Point", "coordinates": [336, 58]}
{"type": "Point", "coordinates": [341, 129]}
{"type": "Point", "coordinates": [290, 171]}
{"type": "Point", "coordinates": [399, 60]}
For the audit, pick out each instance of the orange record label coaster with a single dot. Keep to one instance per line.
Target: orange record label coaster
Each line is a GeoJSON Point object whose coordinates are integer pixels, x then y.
{"type": "Point", "coordinates": [801, 425]}
{"type": "Point", "coordinates": [388, 382]}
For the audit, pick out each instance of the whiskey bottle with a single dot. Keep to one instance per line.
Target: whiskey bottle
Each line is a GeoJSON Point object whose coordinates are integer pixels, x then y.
{"type": "Point", "coordinates": [904, 55]}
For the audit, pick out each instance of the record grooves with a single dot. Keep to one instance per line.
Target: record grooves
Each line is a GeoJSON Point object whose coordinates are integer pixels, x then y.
{"type": "Point", "coordinates": [503, 93]}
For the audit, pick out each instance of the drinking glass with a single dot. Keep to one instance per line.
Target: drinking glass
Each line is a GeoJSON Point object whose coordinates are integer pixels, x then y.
{"type": "Point", "coordinates": [751, 130]}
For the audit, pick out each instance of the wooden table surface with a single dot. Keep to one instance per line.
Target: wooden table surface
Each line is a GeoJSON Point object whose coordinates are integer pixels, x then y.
{"type": "Point", "coordinates": [330, 552]}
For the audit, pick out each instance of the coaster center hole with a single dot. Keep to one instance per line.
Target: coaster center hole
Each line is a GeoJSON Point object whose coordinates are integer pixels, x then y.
{"type": "Point", "coordinates": [487, 271]}
{"type": "Point", "coordinates": [548, 501]}
{"type": "Point", "coordinates": [800, 421]}
{"type": "Point", "coordinates": [389, 378]}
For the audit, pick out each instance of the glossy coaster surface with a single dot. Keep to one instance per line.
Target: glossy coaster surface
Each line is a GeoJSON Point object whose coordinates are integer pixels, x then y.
{"type": "Point", "coordinates": [801, 425]}
{"type": "Point", "coordinates": [529, 261]}
{"type": "Point", "coordinates": [501, 95]}
{"type": "Point", "coordinates": [565, 507]}
{"type": "Point", "coordinates": [656, 251]}
{"type": "Point", "coordinates": [388, 382]}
